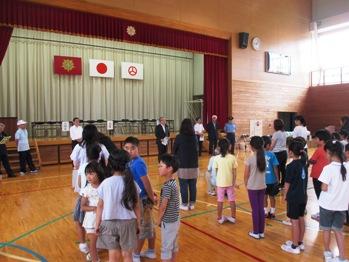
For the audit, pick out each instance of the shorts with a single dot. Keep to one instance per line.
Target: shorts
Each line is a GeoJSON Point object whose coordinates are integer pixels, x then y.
{"type": "Point", "coordinates": [147, 224]}
{"type": "Point", "coordinates": [90, 230]}
{"type": "Point", "coordinates": [295, 210]}
{"type": "Point", "coordinates": [230, 193]}
{"type": "Point", "coordinates": [272, 189]}
{"type": "Point", "coordinates": [331, 219]}
{"type": "Point", "coordinates": [118, 234]}
{"type": "Point", "coordinates": [78, 214]}
{"type": "Point", "coordinates": [169, 239]}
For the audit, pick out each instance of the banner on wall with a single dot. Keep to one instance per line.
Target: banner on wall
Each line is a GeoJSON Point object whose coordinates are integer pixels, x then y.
{"type": "Point", "coordinates": [131, 71]}
{"type": "Point", "coordinates": [67, 65]}
{"type": "Point", "coordinates": [256, 128]}
{"type": "Point", "coordinates": [101, 68]}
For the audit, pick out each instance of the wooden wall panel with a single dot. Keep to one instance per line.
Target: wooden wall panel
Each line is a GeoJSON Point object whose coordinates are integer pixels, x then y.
{"type": "Point", "coordinates": [325, 105]}
{"type": "Point", "coordinates": [49, 154]}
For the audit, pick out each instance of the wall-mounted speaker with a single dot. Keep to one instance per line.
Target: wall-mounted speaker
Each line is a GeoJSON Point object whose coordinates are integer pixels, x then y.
{"type": "Point", "coordinates": [243, 40]}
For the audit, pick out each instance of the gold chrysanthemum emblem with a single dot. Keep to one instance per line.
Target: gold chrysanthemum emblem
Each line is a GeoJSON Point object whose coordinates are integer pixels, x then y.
{"type": "Point", "coordinates": [131, 31]}
{"type": "Point", "coordinates": [68, 65]}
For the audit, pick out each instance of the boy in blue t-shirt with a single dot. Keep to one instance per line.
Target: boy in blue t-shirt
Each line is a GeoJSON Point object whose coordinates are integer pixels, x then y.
{"type": "Point", "coordinates": [271, 178]}
{"type": "Point", "coordinates": [147, 197]}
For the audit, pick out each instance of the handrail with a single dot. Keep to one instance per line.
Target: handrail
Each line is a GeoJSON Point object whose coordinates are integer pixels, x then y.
{"type": "Point", "coordinates": [37, 152]}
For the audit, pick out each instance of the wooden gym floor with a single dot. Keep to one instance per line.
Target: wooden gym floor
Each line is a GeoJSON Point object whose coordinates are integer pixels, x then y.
{"type": "Point", "coordinates": [36, 223]}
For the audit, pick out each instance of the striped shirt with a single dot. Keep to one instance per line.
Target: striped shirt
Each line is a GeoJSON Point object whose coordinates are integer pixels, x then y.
{"type": "Point", "coordinates": [170, 191]}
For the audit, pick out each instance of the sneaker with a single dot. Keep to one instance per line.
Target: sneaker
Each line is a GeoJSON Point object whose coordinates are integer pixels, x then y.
{"type": "Point", "coordinates": [328, 256]}
{"type": "Point", "coordinates": [287, 222]}
{"type": "Point", "coordinates": [266, 215]}
{"type": "Point", "coordinates": [191, 206]}
{"type": "Point", "coordinates": [316, 216]}
{"type": "Point", "coordinates": [337, 259]}
{"type": "Point", "coordinates": [256, 236]}
{"type": "Point", "coordinates": [34, 171]}
{"type": "Point", "coordinates": [84, 248]}
{"type": "Point", "coordinates": [231, 219]}
{"type": "Point", "coordinates": [184, 207]}
{"type": "Point", "coordinates": [261, 235]}
{"type": "Point", "coordinates": [136, 258]}
{"type": "Point", "coordinates": [289, 249]}
{"type": "Point", "coordinates": [88, 257]}
{"type": "Point", "coordinates": [301, 246]}
{"type": "Point", "coordinates": [22, 173]}
{"type": "Point", "coordinates": [271, 215]}
{"type": "Point", "coordinates": [148, 254]}
{"type": "Point", "coordinates": [222, 220]}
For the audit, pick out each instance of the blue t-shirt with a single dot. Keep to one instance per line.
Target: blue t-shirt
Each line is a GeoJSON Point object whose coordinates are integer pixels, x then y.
{"type": "Point", "coordinates": [139, 169]}
{"type": "Point", "coordinates": [230, 128]}
{"type": "Point", "coordinates": [271, 161]}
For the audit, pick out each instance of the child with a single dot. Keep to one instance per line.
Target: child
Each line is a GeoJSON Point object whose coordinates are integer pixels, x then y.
{"type": "Point", "coordinates": [118, 211]}
{"type": "Point", "coordinates": [147, 199]}
{"type": "Point", "coordinates": [95, 175]}
{"type": "Point", "coordinates": [271, 178]}
{"type": "Point", "coordinates": [211, 175]}
{"type": "Point", "coordinates": [23, 148]}
{"type": "Point", "coordinates": [334, 198]}
{"type": "Point", "coordinates": [296, 197]}
{"type": "Point", "coordinates": [168, 218]}
{"type": "Point", "coordinates": [225, 165]}
{"type": "Point", "coordinates": [319, 161]}
{"type": "Point", "coordinates": [254, 178]}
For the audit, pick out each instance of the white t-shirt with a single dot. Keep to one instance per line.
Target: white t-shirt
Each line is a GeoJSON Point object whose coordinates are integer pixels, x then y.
{"type": "Point", "coordinates": [336, 198]}
{"type": "Point", "coordinates": [22, 137]}
{"type": "Point", "coordinates": [199, 129]}
{"type": "Point", "coordinates": [110, 191]}
{"type": "Point", "coordinates": [90, 216]}
{"type": "Point", "coordinates": [83, 180]}
{"type": "Point", "coordinates": [79, 154]}
{"type": "Point", "coordinates": [75, 132]}
{"type": "Point", "coordinates": [301, 131]}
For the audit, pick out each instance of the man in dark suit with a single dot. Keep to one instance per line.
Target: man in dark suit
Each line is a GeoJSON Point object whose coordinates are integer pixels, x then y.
{"type": "Point", "coordinates": [162, 134]}
{"type": "Point", "coordinates": [3, 152]}
{"type": "Point", "coordinates": [212, 130]}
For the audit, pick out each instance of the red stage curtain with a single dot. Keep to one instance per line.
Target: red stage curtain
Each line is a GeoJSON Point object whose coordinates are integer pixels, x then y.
{"type": "Point", "coordinates": [215, 88]}
{"type": "Point", "coordinates": [5, 36]}
{"type": "Point", "coordinates": [30, 15]}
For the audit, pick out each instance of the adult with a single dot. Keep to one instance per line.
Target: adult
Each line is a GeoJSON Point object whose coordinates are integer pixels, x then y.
{"type": "Point", "coordinates": [212, 130]}
{"type": "Point", "coordinates": [230, 129]}
{"type": "Point", "coordinates": [185, 149]}
{"type": "Point", "coordinates": [300, 129]}
{"type": "Point", "coordinates": [278, 146]}
{"type": "Point", "coordinates": [3, 151]}
{"type": "Point", "coordinates": [75, 132]}
{"type": "Point", "coordinates": [345, 123]}
{"type": "Point", "coordinates": [199, 132]}
{"type": "Point", "coordinates": [162, 133]}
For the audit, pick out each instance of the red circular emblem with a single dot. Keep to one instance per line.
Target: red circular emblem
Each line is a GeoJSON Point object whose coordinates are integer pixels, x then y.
{"type": "Point", "coordinates": [132, 70]}
{"type": "Point", "coordinates": [101, 68]}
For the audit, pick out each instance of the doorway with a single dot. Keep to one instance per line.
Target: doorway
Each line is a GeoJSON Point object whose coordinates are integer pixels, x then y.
{"type": "Point", "coordinates": [288, 118]}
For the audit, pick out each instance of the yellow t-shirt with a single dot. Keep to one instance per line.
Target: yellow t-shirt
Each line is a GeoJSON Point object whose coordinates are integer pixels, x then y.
{"type": "Point", "coordinates": [225, 166]}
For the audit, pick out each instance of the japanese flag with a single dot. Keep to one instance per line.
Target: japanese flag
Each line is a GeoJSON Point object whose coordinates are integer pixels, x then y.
{"type": "Point", "coordinates": [101, 68]}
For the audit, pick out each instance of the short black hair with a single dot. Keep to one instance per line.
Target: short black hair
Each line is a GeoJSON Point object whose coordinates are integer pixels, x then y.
{"type": "Point", "coordinates": [230, 118]}
{"type": "Point", "coordinates": [132, 140]}
{"type": "Point", "coordinates": [279, 125]}
{"type": "Point", "coordinates": [301, 119]}
{"type": "Point", "coordinates": [336, 136]}
{"type": "Point", "coordinates": [344, 133]}
{"type": "Point", "coordinates": [170, 161]}
{"type": "Point", "coordinates": [75, 118]}
{"type": "Point", "coordinates": [323, 135]}
{"type": "Point", "coordinates": [266, 140]}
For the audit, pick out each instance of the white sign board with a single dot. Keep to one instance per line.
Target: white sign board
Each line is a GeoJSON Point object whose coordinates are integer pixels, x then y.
{"type": "Point", "coordinates": [131, 71]}
{"type": "Point", "coordinates": [256, 128]}
{"type": "Point", "coordinates": [110, 125]}
{"type": "Point", "coordinates": [65, 126]}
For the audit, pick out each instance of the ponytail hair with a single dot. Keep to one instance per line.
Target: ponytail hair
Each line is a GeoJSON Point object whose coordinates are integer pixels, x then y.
{"type": "Point", "coordinates": [335, 148]}
{"type": "Point", "coordinates": [257, 144]}
{"type": "Point", "coordinates": [119, 162]}
{"type": "Point", "coordinates": [223, 146]}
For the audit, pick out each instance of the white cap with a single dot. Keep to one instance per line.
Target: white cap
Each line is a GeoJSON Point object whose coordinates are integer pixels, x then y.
{"type": "Point", "coordinates": [21, 122]}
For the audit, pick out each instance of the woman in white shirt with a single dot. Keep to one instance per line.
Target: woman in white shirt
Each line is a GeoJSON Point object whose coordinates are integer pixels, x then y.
{"type": "Point", "coordinates": [300, 129]}
{"type": "Point", "coordinates": [199, 132]}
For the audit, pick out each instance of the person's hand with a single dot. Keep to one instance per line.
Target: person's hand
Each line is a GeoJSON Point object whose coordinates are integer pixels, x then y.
{"type": "Point", "coordinates": [237, 186]}
{"type": "Point", "coordinates": [155, 197]}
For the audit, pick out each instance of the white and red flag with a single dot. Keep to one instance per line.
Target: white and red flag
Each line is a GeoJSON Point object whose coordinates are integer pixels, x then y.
{"type": "Point", "coordinates": [101, 68]}
{"type": "Point", "coordinates": [131, 70]}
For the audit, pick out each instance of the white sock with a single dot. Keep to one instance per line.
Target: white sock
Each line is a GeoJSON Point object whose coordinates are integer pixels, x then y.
{"type": "Point", "coordinates": [266, 210]}
{"type": "Point", "coordinates": [272, 210]}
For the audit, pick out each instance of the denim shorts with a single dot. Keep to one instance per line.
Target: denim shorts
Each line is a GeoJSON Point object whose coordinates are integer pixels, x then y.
{"type": "Point", "coordinates": [330, 219]}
